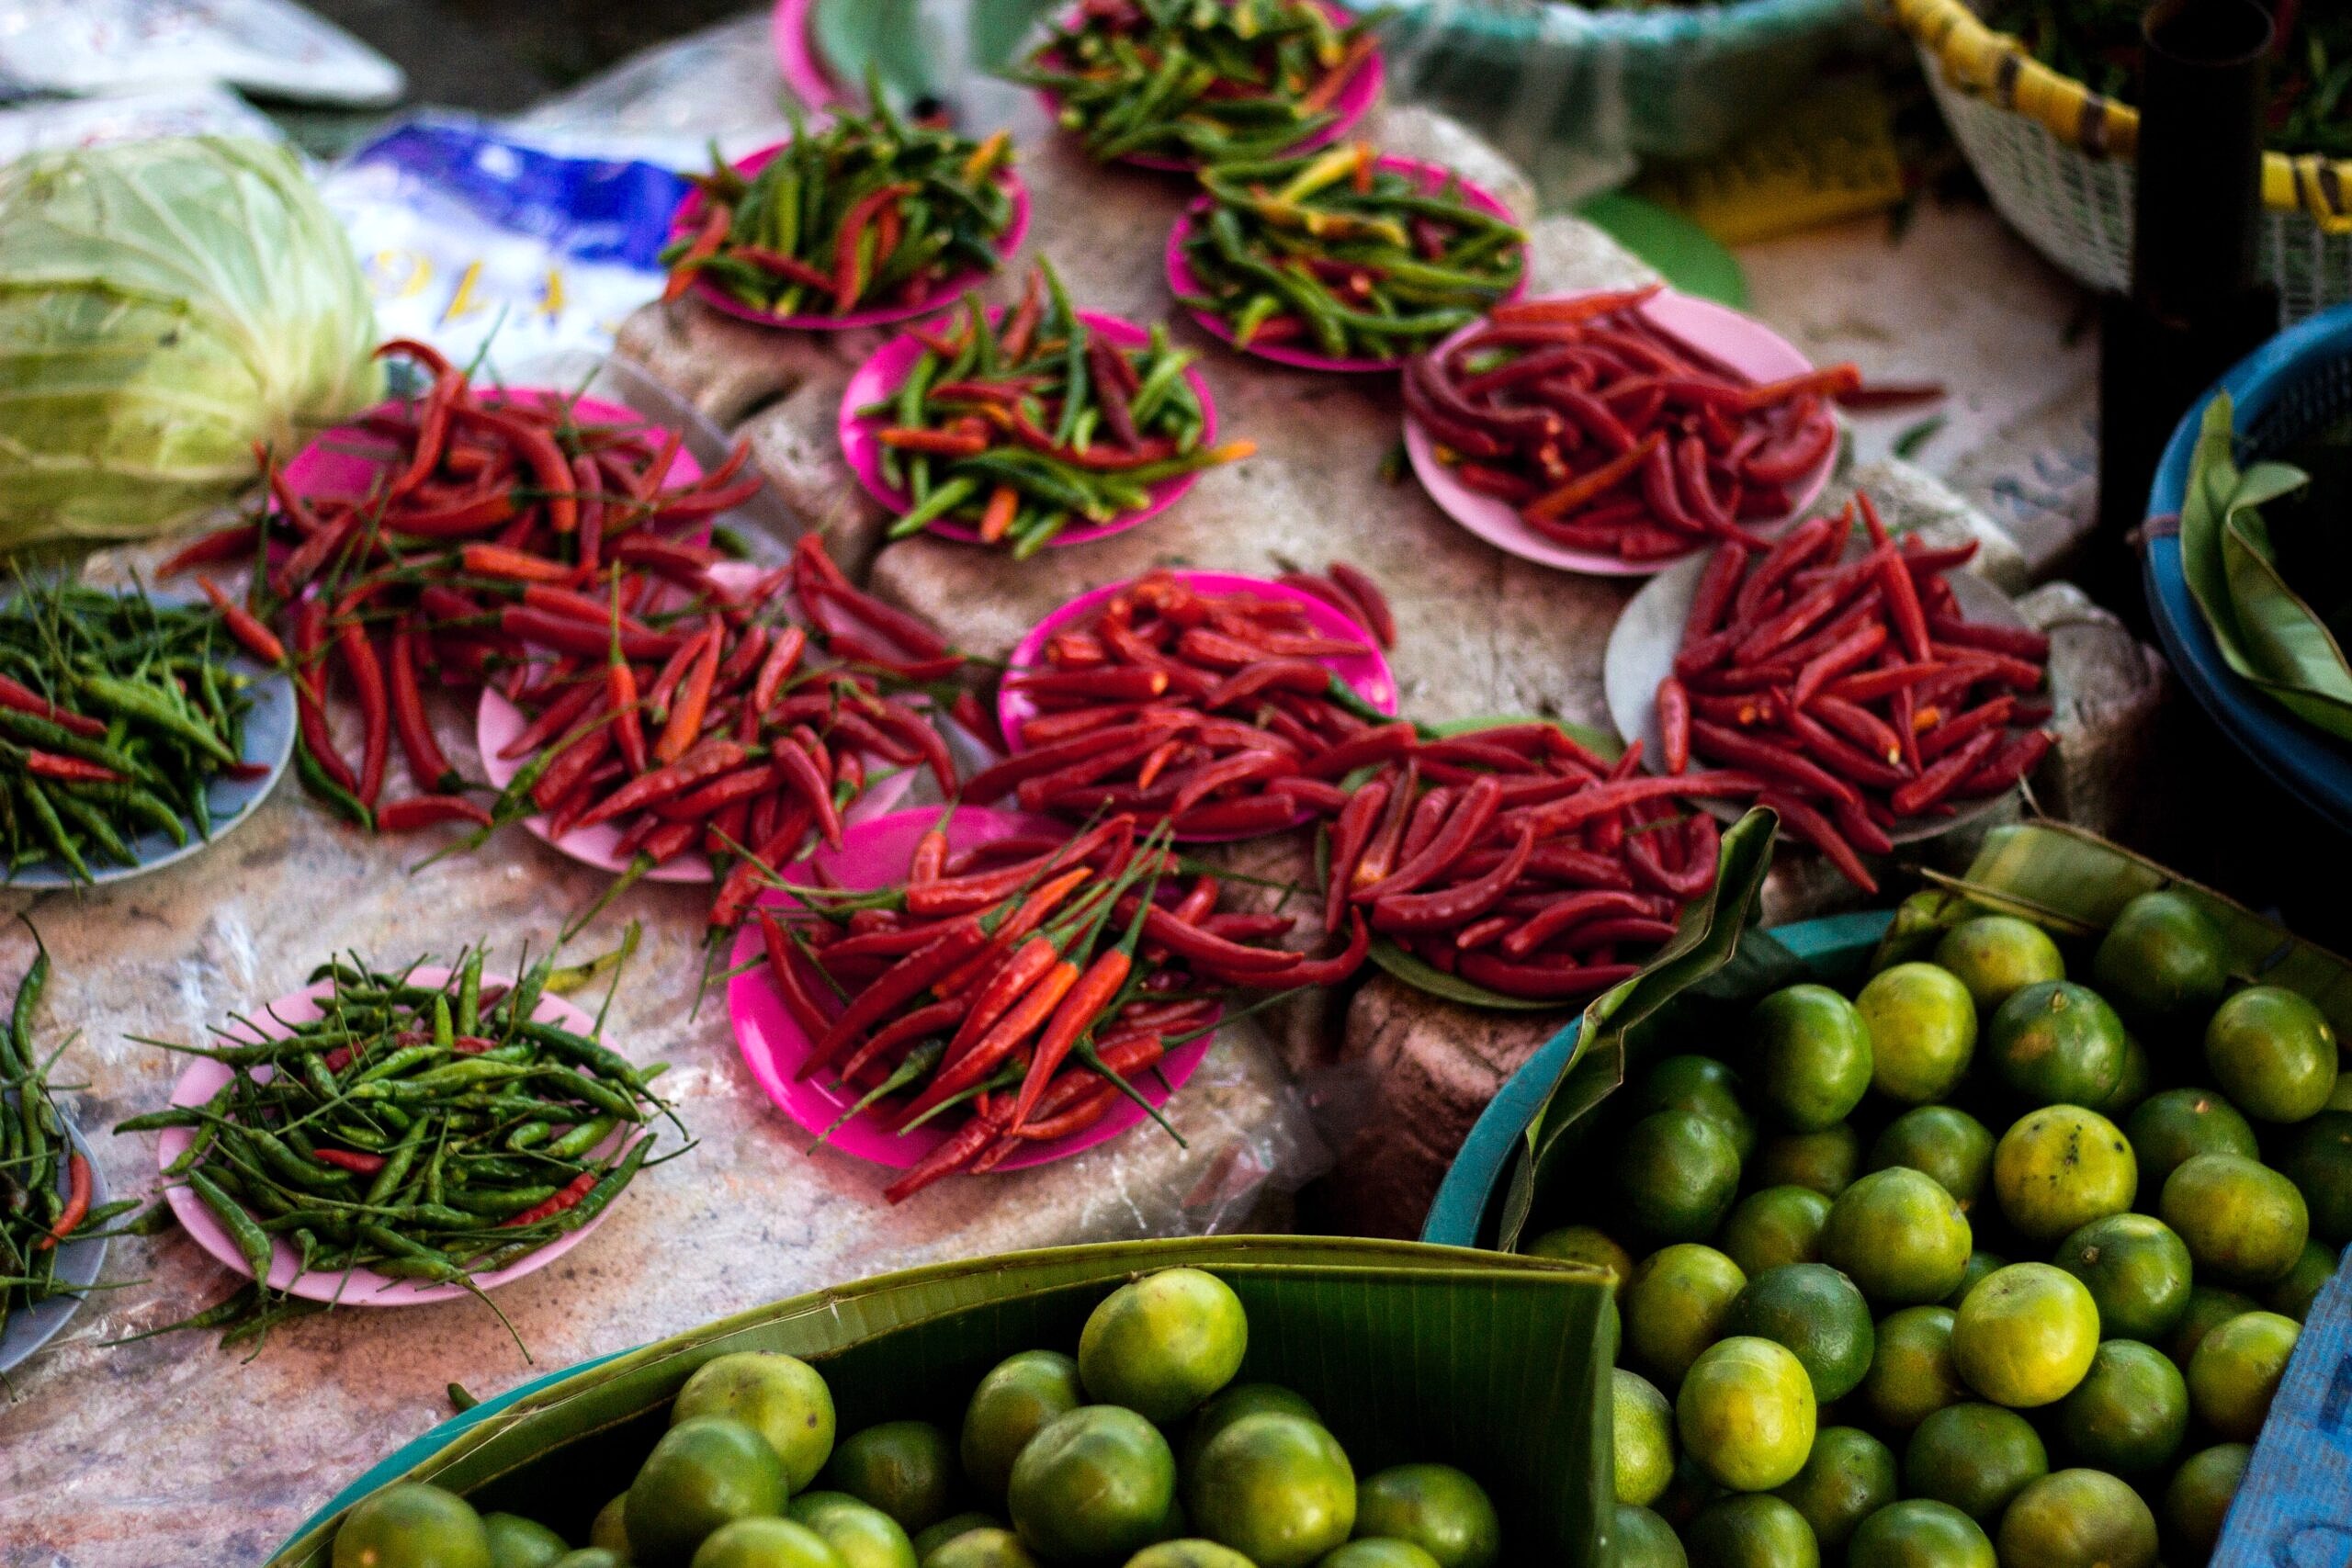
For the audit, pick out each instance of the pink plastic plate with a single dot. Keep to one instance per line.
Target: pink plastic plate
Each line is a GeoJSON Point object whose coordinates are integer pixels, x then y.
{"type": "Point", "coordinates": [356, 1287]}
{"type": "Point", "coordinates": [875, 855]}
{"type": "Point", "coordinates": [497, 722]}
{"type": "Point", "coordinates": [1354, 101]}
{"type": "Point", "coordinates": [943, 294]}
{"type": "Point", "coordinates": [1741, 342]}
{"type": "Point", "coordinates": [1368, 672]}
{"type": "Point", "coordinates": [881, 376]}
{"type": "Point", "coordinates": [344, 461]}
{"type": "Point", "coordinates": [796, 55]}
{"type": "Point", "coordinates": [1184, 281]}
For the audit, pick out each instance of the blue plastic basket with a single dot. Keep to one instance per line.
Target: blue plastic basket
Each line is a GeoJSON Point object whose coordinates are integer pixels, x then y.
{"type": "Point", "coordinates": [2286, 389]}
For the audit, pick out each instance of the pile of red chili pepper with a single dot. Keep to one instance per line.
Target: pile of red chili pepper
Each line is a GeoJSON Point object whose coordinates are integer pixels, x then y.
{"type": "Point", "coordinates": [1020, 987]}
{"type": "Point", "coordinates": [868, 211]}
{"type": "Point", "coordinates": [1216, 712]}
{"type": "Point", "coordinates": [1023, 426]}
{"type": "Point", "coordinates": [1351, 592]}
{"type": "Point", "coordinates": [1857, 688]}
{"type": "Point", "coordinates": [1520, 860]}
{"type": "Point", "coordinates": [1610, 433]}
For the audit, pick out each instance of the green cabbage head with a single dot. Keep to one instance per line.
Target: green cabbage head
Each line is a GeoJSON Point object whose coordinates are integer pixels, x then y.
{"type": "Point", "coordinates": [164, 306]}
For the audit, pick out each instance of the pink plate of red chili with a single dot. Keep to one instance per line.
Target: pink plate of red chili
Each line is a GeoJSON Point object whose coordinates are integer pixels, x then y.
{"type": "Point", "coordinates": [876, 854]}
{"type": "Point", "coordinates": [359, 1287]}
{"type": "Point", "coordinates": [1738, 346]}
{"type": "Point", "coordinates": [882, 374]}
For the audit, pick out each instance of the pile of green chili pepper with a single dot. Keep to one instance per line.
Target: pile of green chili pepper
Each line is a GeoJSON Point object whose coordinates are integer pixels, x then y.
{"type": "Point", "coordinates": [116, 715]}
{"type": "Point", "coordinates": [2098, 42]}
{"type": "Point", "coordinates": [1025, 424]}
{"type": "Point", "coordinates": [868, 212]}
{"type": "Point", "coordinates": [1334, 252]}
{"type": "Point", "coordinates": [45, 1182]}
{"type": "Point", "coordinates": [423, 1131]}
{"type": "Point", "coordinates": [1199, 81]}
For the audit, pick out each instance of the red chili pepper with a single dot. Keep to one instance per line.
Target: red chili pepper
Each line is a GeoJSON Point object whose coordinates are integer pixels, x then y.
{"type": "Point", "coordinates": [1674, 725]}
{"type": "Point", "coordinates": [568, 1197]}
{"type": "Point", "coordinates": [685, 713]}
{"type": "Point", "coordinates": [254, 637]}
{"type": "Point", "coordinates": [424, 810]}
{"type": "Point", "coordinates": [1463, 826]}
{"type": "Point", "coordinates": [786, 976]}
{"type": "Point", "coordinates": [80, 1181]}
{"type": "Point", "coordinates": [68, 770]}
{"type": "Point", "coordinates": [1939, 780]}
{"type": "Point", "coordinates": [892, 989]}
{"type": "Point", "coordinates": [1359, 585]}
{"type": "Point", "coordinates": [964, 1145]}
{"type": "Point", "coordinates": [358, 1161]}
{"type": "Point", "coordinates": [846, 287]}
{"type": "Point", "coordinates": [233, 543]}
{"type": "Point", "coordinates": [367, 673]}
{"type": "Point", "coordinates": [705, 244]}
{"type": "Point", "coordinates": [1815, 830]}
{"type": "Point", "coordinates": [706, 761]}
{"type": "Point", "coordinates": [783, 656]}
{"type": "Point", "coordinates": [1761, 756]}
{"type": "Point", "coordinates": [426, 764]}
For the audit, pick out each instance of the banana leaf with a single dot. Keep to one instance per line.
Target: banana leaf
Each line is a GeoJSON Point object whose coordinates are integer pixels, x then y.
{"type": "Point", "coordinates": [2270, 636]}
{"type": "Point", "coordinates": [1713, 953]}
{"type": "Point", "coordinates": [1498, 1365]}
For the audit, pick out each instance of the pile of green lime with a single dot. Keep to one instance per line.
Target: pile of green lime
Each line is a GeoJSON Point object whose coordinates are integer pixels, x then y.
{"type": "Point", "coordinates": [1141, 1450]}
{"type": "Point", "coordinates": [1841, 1337]}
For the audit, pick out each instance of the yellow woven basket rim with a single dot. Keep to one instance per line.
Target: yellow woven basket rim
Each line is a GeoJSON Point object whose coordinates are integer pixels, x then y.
{"type": "Point", "coordinates": [1995, 66]}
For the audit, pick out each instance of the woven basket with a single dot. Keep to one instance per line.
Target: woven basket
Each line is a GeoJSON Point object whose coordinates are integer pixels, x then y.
{"type": "Point", "coordinates": [2056, 159]}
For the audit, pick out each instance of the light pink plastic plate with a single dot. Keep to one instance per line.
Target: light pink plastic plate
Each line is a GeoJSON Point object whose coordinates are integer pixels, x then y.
{"type": "Point", "coordinates": [356, 1287]}
{"type": "Point", "coordinates": [875, 855]}
{"type": "Point", "coordinates": [947, 292]}
{"type": "Point", "coordinates": [1741, 342]}
{"type": "Point", "coordinates": [796, 55]}
{"type": "Point", "coordinates": [344, 461]}
{"type": "Point", "coordinates": [1183, 281]}
{"type": "Point", "coordinates": [881, 375]}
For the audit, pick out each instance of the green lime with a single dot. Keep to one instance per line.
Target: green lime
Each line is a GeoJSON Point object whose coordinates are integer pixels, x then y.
{"type": "Point", "coordinates": [1912, 1375]}
{"type": "Point", "coordinates": [765, 1543]}
{"type": "Point", "coordinates": [1848, 1476]}
{"type": "Point", "coordinates": [1642, 1440]}
{"type": "Point", "coordinates": [2058, 1168]}
{"type": "Point", "coordinates": [2208, 1307]}
{"type": "Point", "coordinates": [2129, 1412]}
{"type": "Point", "coordinates": [2077, 1519]}
{"type": "Point", "coordinates": [1922, 1026]}
{"type": "Point", "coordinates": [1230, 1404]}
{"type": "Point", "coordinates": [1638, 1539]}
{"type": "Point", "coordinates": [1677, 1172]}
{"type": "Point", "coordinates": [2299, 1286]}
{"type": "Point", "coordinates": [2241, 1219]}
{"type": "Point", "coordinates": [1276, 1489]}
{"type": "Point", "coordinates": [1379, 1551]}
{"type": "Point", "coordinates": [907, 1469]}
{"type": "Point", "coordinates": [1920, 1533]}
{"type": "Point", "coordinates": [2273, 1053]}
{"type": "Point", "coordinates": [411, 1526]}
{"type": "Point", "coordinates": [782, 1396]}
{"type": "Point", "coordinates": [1013, 1404]}
{"type": "Point", "coordinates": [518, 1542]}
{"type": "Point", "coordinates": [1900, 1235]}
{"type": "Point", "coordinates": [1824, 1161]}
{"type": "Point", "coordinates": [2139, 1078]}
{"type": "Point", "coordinates": [1694, 1083]}
{"type": "Point", "coordinates": [2167, 1130]}
{"type": "Point", "coordinates": [1975, 1457]}
{"type": "Point", "coordinates": [701, 1474]}
{"type": "Point", "coordinates": [1980, 1263]}
{"type": "Point", "coordinates": [1751, 1530]}
{"type": "Point", "coordinates": [1809, 1056]}
{"type": "Point", "coordinates": [1189, 1554]}
{"type": "Point", "coordinates": [1164, 1343]}
{"type": "Point", "coordinates": [1778, 1225]}
{"type": "Point", "coordinates": [2317, 1157]}
{"type": "Point", "coordinates": [1814, 1313]}
{"type": "Point", "coordinates": [2136, 1270]}
{"type": "Point", "coordinates": [988, 1548]}
{"type": "Point", "coordinates": [2236, 1370]}
{"type": "Point", "coordinates": [863, 1536]}
{"type": "Point", "coordinates": [1675, 1306]}
{"type": "Point", "coordinates": [1745, 1413]}
{"type": "Point", "coordinates": [1094, 1484]}
{"type": "Point", "coordinates": [1997, 955]}
{"type": "Point", "coordinates": [1435, 1506]}
{"type": "Point", "coordinates": [2164, 958]}
{"type": "Point", "coordinates": [2198, 1497]}
{"type": "Point", "coordinates": [1942, 1142]}
{"type": "Point", "coordinates": [1584, 1244]}
{"type": "Point", "coordinates": [2025, 1336]}
{"type": "Point", "coordinates": [609, 1529]}
{"type": "Point", "coordinates": [948, 1529]}
{"type": "Point", "coordinates": [2057, 1043]}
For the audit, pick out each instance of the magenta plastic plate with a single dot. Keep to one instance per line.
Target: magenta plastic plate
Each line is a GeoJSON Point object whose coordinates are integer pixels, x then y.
{"type": "Point", "coordinates": [796, 55]}
{"type": "Point", "coordinates": [1184, 281]}
{"type": "Point", "coordinates": [1354, 101]}
{"type": "Point", "coordinates": [875, 855]}
{"type": "Point", "coordinates": [1741, 342]}
{"type": "Point", "coordinates": [881, 375]}
{"type": "Point", "coordinates": [344, 460]}
{"type": "Point", "coordinates": [946, 294]}
{"type": "Point", "coordinates": [356, 1287]}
